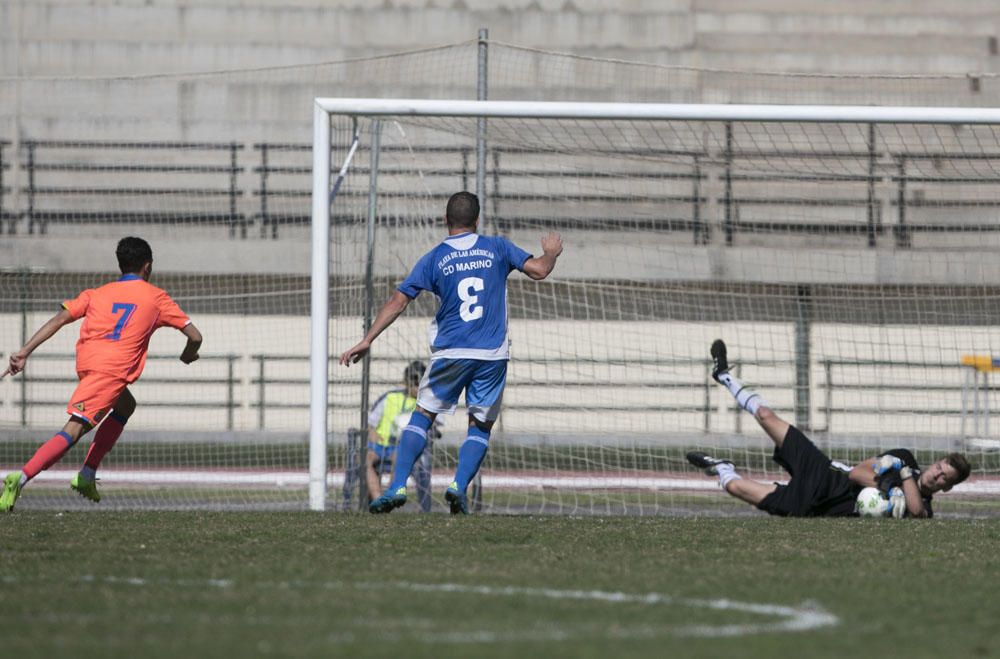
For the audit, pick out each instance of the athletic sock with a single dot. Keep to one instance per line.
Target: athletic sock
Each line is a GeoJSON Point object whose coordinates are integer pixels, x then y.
{"type": "Point", "coordinates": [470, 456]}
{"type": "Point", "coordinates": [412, 442]}
{"type": "Point", "coordinates": [727, 473]}
{"type": "Point", "coordinates": [745, 398]}
{"type": "Point", "coordinates": [107, 434]}
{"type": "Point", "coordinates": [47, 454]}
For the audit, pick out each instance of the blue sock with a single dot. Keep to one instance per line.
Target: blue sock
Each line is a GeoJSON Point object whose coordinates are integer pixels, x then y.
{"type": "Point", "coordinates": [411, 445]}
{"type": "Point", "coordinates": [470, 456]}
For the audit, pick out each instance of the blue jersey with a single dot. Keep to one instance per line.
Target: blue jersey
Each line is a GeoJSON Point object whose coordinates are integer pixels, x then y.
{"type": "Point", "coordinates": [468, 274]}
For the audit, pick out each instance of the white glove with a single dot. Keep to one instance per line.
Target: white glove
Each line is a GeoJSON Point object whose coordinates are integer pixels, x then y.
{"type": "Point", "coordinates": [897, 502]}
{"type": "Point", "coordinates": [886, 463]}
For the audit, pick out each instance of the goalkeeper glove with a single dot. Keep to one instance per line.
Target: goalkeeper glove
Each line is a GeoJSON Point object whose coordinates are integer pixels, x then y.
{"type": "Point", "coordinates": [897, 502]}
{"type": "Point", "coordinates": [908, 472]}
{"type": "Point", "coordinates": [887, 463]}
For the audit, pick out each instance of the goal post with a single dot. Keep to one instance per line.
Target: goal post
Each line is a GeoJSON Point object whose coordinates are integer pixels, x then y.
{"type": "Point", "coordinates": [319, 361]}
{"type": "Point", "coordinates": [844, 252]}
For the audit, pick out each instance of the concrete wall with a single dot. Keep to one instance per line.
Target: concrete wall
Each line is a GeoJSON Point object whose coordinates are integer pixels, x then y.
{"type": "Point", "coordinates": [104, 37]}
{"type": "Point", "coordinates": [566, 378]}
{"type": "Point", "coordinates": [81, 39]}
{"type": "Point", "coordinates": [56, 57]}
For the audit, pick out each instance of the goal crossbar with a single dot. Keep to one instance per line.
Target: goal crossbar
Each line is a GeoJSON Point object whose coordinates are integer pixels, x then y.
{"type": "Point", "coordinates": [657, 111]}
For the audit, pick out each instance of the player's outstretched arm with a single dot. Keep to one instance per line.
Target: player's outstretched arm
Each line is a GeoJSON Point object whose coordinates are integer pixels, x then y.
{"type": "Point", "coordinates": [863, 473]}
{"type": "Point", "coordinates": [914, 502]}
{"type": "Point", "coordinates": [539, 267]}
{"type": "Point", "coordinates": [190, 352]}
{"type": "Point", "coordinates": [44, 333]}
{"type": "Point", "coordinates": [395, 305]}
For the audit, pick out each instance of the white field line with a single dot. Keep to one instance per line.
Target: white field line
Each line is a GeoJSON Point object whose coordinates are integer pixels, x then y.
{"type": "Point", "coordinates": [791, 619]}
{"type": "Point", "coordinates": [788, 618]}
{"type": "Point", "coordinates": [500, 481]}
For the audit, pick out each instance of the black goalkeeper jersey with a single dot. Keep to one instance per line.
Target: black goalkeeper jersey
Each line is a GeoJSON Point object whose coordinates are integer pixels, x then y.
{"type": "Point", "coordinates": [891, 479]}
{"type": "Point", "coordinates": [819, 488]}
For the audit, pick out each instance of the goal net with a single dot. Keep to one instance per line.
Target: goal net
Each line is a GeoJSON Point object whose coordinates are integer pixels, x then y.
{"type": "Point", "coordinates": [846, 256]}
{"type": "Point", "coordinates": [213, 170]}
{"type": "Point", "coordinates": [820, 250]}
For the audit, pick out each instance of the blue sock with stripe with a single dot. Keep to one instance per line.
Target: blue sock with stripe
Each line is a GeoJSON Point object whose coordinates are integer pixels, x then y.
{"type": "Point", "coordinates": [412, 442]}
{"type": "Point", "coordinates": [470, 456]}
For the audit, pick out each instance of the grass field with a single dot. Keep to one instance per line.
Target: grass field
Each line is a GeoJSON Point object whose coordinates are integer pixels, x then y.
{"type": "Point", "coordinates": [307, 584]}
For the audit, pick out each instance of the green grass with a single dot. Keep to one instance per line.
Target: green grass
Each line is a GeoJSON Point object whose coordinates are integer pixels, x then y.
{"type": "Point", "coordinates": [307, 584]}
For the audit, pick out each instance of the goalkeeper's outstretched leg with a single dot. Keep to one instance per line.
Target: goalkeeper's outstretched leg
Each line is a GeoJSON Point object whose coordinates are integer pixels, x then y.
{"type": "Point", "coordinates": [817, 485]}
{"type": "Point", "coordinates": [775, 427]}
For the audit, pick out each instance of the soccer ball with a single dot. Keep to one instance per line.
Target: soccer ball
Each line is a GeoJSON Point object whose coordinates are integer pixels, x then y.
{"type": "Point", "coordinates": [872, 503]}
{"type": "Point", "coordinates": [399, 425]}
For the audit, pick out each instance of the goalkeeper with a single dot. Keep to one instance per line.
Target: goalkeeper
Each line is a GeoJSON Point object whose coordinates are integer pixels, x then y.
{"type": "Point", "coordinates": [818, 486]}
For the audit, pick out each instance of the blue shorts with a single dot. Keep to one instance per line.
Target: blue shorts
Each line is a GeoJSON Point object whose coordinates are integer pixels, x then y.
{"type": "Point", "coordinates": [483, 382]}
{"type": "Point", "coordinates": [383, 456]}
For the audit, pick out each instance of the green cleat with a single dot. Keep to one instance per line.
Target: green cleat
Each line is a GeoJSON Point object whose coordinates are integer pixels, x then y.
{"type": "Point", "coordinates": [458, 502]}
{"type": "Point", "coordinates": [388, 502]}
{"type": "Point", "coordinates": [11, 490]}
{"type": "Point", "coordinates": [85, 488]}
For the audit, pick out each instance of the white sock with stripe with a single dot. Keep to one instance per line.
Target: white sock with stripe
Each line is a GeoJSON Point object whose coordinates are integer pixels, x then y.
{"type": "Point", "coordinates": [727, 473]}
{"type": "Point", "coordinates": [745, 398]}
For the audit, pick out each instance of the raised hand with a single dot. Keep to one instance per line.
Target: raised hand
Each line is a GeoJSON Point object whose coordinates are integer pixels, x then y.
{"type": "Point", "coordinates": [552, 244]}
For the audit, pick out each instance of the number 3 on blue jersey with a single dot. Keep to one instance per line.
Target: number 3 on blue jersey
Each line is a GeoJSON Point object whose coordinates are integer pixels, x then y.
{"type": "Point", "coordinates": [466, 287]}
{"type": "Point", "coordinates": [125, 309]}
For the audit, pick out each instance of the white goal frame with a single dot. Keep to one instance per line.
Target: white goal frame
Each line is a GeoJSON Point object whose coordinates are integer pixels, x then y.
{"type": "Point", "coordinates": [324, 108]}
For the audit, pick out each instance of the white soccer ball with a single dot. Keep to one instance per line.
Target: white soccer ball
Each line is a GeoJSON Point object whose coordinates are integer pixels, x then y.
{"type": "Point", "coordinates": [399, 425]}
{"type": "Point", "coordinates": [872, 503]}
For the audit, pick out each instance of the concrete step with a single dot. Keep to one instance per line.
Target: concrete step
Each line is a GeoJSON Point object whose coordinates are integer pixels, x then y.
{"type": "Point", "coordinates": [849, 7]}
{"type": "Point", "coordinates": [110, 58]}
{"type": "Point", "coordinates": [936, 44]}
{"type": "Point", "coordinates": [850, 63]}
{"type": "Point", "coordinates": [398, 28]}
{"type": "Point", "coordinates": [586, 6]}
{"type": "Point", "coordinates": [916, 25]}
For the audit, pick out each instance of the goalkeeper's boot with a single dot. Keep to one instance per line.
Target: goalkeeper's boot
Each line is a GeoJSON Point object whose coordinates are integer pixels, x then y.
{"type": "Point", "coordinates": [458, 502]}
{"type": "Point", "coordinates": [388, 502]}
{"type": "Point", "coordinates": [85, 487]}
{"type": "Point", "coordinates": [720, 364]}
{"type": "Point", "coordinates": [11, 491]}
{"type": "Point", "coordinates": [706, 463]}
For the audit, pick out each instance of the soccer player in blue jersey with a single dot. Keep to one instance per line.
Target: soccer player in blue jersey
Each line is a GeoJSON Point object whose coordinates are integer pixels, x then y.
{"type": "Point", "coordinates": [469, 344]}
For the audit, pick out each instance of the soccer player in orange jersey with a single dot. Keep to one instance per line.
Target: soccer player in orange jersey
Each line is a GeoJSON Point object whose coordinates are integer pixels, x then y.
{"type": "Point", "coordinates": [119, 318]}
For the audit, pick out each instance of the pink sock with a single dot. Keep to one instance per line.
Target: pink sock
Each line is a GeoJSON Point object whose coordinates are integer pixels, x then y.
{"type": "Point", "coordinates": [107, 435]}
{"type": "Point", "coordinates": [48, 454]}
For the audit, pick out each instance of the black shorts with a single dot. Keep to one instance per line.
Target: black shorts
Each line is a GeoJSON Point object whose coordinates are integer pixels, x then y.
{"type": "Point", "coordinates": [816, 488]}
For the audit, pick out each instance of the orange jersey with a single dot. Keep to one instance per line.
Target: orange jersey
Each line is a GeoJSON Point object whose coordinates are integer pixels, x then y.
{"type": "Point", "coordinates": [118, 320]}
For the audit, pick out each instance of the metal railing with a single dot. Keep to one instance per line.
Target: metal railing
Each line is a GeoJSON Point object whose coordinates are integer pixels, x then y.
{"type": "Point", "coordinates": [717, 187]}
{"type": "Point", "coordinates": [195, 385]}
{"type": "Point", "coordinates": [217, 180]}
{"type": "Point", "coordinates": [245, 382]}
{"type": "Point", "coordinates": [7, 217]}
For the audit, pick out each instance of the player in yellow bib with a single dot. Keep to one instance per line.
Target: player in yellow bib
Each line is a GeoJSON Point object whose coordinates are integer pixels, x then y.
{"type": "Point", "coordinates": [386, 420]}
